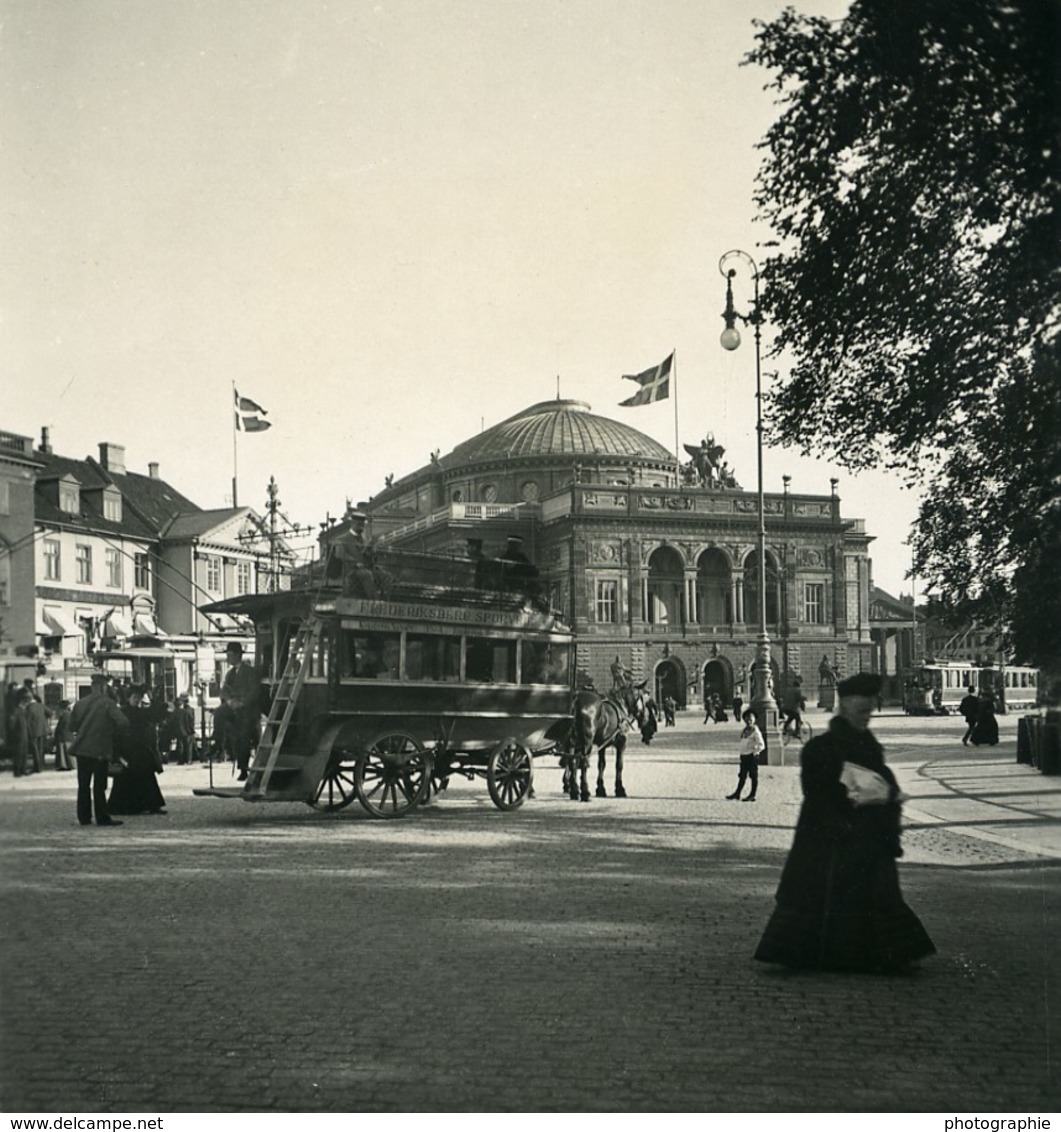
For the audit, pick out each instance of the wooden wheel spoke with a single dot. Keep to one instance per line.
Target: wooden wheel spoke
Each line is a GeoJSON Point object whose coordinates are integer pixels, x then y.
{"type": "Point", "coordinates": [389, 776]}
{"type": "Point", "coordinates": [336, 789]}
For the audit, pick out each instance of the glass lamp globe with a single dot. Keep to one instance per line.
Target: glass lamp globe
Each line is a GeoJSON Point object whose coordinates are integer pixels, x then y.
{"type": "Point", "coordinates": [730, 338]}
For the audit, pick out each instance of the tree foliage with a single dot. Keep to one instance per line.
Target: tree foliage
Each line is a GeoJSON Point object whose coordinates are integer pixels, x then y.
{"type": "Point", "coordinates": [913, 184]}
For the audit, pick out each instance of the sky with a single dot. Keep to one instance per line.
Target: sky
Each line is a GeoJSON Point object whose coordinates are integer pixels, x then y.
{"type": "Point", "coordinates": [391, 224]}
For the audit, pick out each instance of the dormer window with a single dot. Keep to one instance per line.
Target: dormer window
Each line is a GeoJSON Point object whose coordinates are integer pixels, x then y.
{"type": "Point", "coordinates": [70, 497]}
{"type": "Point", "coordinates": [112, 505]}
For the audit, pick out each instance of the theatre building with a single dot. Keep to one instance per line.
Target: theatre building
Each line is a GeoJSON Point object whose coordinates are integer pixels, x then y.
{"type": "Point", "coordinates": [649, 561]}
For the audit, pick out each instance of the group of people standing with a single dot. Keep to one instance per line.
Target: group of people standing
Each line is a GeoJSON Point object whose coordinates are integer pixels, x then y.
{"type": "Point", "coordinates": [27, 729]}
{"type": "Point", "coordinates": [122, 732]}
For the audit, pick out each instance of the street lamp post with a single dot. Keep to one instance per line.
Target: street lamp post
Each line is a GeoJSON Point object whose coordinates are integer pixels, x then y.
{"type": "Point", "coordinates": [762, 702]}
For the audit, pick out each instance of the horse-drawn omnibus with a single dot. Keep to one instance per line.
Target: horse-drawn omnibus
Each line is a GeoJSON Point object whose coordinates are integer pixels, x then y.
{"type": "Point", "coordinates": [379, 686]}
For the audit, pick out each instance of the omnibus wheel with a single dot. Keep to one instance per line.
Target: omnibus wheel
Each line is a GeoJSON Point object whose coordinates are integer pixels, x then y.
{"type": "Point", "coordinates": [509, 774]}
{"type": "Point", "coordinates": [392, 775]}
{"type": "Point", "coordinates": [337, 787]}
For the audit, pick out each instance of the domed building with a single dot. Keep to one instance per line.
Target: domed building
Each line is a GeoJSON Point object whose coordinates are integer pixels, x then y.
{"type": "Point", "coordinates": [649, 559]}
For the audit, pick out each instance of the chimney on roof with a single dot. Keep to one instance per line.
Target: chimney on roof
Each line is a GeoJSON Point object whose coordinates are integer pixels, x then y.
{"type": "Point", "coordinates": [46, 441]}
{"type": "Point", "coordinates": [152, 470]}
{"type": "Point", "coordinates": [112, 457]}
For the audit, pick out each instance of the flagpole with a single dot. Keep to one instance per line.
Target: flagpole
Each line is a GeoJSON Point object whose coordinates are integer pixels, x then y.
{"type": "Point", "coordinates": [235, 461]}
{"type": "Point", "coordinates": [677, 459]}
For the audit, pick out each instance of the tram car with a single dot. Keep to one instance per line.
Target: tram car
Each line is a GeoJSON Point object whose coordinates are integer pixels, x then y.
{"type": "Point", "coordinates": [938, 688]}
{"type": "Point", "coordinates": [385, 678]}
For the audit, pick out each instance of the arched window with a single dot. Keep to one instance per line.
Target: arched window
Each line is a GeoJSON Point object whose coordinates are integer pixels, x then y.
{"type": "Point", "coordinates": [666, 577]}
{"type": "Point", "coordinates": [714, 602]}
{"type": "Point", "coordinates": [751, 590]}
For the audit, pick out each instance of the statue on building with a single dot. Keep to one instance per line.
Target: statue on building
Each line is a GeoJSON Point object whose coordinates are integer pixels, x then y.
{"type": "Point", "coordinates": [706, 459]}
{"type": "Point", "coordinates": [826, 672]}
{"type": "Point", "coordinates": [726, 477]}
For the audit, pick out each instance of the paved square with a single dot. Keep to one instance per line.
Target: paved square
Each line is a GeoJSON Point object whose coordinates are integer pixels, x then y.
{"type": "Point", "coordinates": [563, 957]}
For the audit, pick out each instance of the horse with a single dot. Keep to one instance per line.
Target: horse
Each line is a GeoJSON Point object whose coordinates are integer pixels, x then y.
{"type": "Point", "coordinates": [601, 722]}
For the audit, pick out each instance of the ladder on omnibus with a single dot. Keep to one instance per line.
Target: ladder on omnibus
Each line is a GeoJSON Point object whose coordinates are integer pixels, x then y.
{"type": "Point", "coordinates": [282, 709]}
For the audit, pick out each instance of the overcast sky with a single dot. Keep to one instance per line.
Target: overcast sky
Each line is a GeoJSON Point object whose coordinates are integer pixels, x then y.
{"type": "Point", "coordinates": [388, 223]}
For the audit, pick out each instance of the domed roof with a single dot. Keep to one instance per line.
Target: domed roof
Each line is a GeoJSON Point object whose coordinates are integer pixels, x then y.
{"type": "Point", "coordinates": [557, 428]}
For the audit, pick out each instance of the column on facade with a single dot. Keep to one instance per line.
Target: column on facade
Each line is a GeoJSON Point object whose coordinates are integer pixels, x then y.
{"type": "Point", "coordinates": [738, 599]}
{"type": "Point", "coordinates": [692, 604]}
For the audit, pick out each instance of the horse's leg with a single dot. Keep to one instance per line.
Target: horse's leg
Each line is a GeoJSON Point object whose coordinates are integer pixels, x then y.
{"type": "Point", "coordinates": [602, 763]}
{"type": "Point", "coordinates": [620, 747]}
{"type": "Point", "coordinates": [577, 761]}
{"type": "Point", "coordinates": [585, 795]}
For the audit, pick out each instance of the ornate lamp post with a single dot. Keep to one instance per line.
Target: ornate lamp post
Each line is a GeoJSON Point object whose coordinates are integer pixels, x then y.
{"type": "Point", "coordinates": [762, 701]}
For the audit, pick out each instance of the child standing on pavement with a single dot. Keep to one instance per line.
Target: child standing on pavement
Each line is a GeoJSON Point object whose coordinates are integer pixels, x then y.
{"type": "Point", "coordinates": [751, 743]}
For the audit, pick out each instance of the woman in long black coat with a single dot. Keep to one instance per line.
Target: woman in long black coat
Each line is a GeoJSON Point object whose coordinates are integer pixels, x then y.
{"type": "Point", "coordinates": [136, 790]}
{"type": "Point", "coordinates": [985, 728]}
{"type": "Point", "coordinates": [839, 906]}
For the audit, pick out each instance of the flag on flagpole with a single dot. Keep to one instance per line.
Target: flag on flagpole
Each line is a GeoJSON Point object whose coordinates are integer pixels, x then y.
{"type": "Point", "coordinates": [655, 383]}
{"type": "Point", "coordinates": [247, 414]}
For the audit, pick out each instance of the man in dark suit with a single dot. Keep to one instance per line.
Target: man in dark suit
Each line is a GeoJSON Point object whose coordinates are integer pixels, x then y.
{"type": "Point", "coordinates": [95, 723]}
{"type": "Point", "coordinates": [184, 731]}
{"type": "Point", "coordinates": [37, 722]}
{"type": "Point", "coordinates": [240, 694]}
{"type": "Point", "coordinates": [970, 709]}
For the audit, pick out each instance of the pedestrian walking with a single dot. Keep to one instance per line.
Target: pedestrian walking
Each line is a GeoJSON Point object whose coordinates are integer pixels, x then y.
{"type": "Point", "coordinates": [37, 722]}
{"type": "Point", "coordinates": [839, 906]}
{"type": "Point", "coordinates": [792, 708]}
{"type": "Point", "coordinates": [738, 703]}
{"type": "Point", "coordinates": [649, 726]}
{"type": "Point", "coordinates": [970, 709]}
{"type": "Point", "coordinates": [95, 724]}
{"type": "Point", "coordinates": [184, 730]}
{"type": "Point", "coordinates": [18, 733]}
{"type": "Point", "coordinates": [668, 711]}
{"type": "Point", "coordinates": [751, 743]}
{"type": "Point", "coordinates": [985, 727]}
{"type": "Point", "coordinates": [63, 761]}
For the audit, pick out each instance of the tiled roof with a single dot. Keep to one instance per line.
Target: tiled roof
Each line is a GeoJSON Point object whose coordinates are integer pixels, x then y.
{"type": "Point", "coordinates": [148, 504]}
{"type": "Point", "coordinates": [158, 501]}
{"type": "Point", "coordinates": [202, 522]}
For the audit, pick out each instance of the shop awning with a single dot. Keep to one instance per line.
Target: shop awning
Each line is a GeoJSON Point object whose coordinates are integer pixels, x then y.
{"type": "Point", "coordinates": [43, 628]}
{"type": "Point", "coordinates": [61, 624]}
{"type": "Point", "coordinates": [116, 624]}
{"type": "Point", "coordinates": [144, 625]}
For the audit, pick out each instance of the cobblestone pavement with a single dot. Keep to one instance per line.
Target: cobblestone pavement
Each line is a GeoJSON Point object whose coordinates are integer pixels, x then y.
{"type": "Point", "coordinates": [564, 957]}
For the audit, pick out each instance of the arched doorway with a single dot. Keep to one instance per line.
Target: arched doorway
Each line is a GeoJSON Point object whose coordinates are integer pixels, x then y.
{"type": "Point", "coordinates": [669, 680]}
{"type": "Point", "coordinates": [718, 678]}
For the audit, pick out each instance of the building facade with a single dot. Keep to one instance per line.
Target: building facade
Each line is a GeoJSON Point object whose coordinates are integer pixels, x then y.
{"type": "Point", "coordinates": [99, 563]}
{"type": "Point", "coordinates": [650, 561]}
{"type": "Point", "coordinates": [18, 625]}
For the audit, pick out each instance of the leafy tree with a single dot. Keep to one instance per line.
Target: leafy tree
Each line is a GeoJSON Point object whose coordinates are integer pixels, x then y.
{"type": "Point", "coordinates": [913, 183]}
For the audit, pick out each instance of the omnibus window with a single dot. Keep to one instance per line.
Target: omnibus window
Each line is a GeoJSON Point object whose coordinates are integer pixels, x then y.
{"type": "Point", "coordinates": [371, 656]}
{"type": "Point", "coordinates": [490, 661]}
{"type": "Point", "coordinates": [263, 652]}
{"type": "Point", "coordinates": [429, 656]}
{"type": "Point", "coordinates": [321, 657]}
{"type": "Point", "coordinates": [545, 662]}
